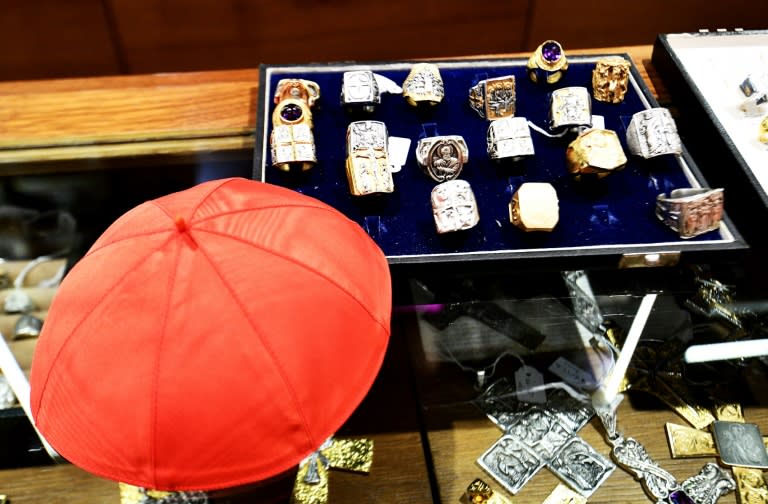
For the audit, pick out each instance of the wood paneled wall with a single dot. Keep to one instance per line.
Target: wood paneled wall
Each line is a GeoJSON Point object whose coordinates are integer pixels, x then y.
{"type": "Point", "coordinates": [46, 38]}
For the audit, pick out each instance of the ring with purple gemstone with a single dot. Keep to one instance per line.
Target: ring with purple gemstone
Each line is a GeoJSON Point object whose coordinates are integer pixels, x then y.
{"type": "Point", "coordinates": [547, 63]}
{"type": "Point", "coordinates": [291, 141]}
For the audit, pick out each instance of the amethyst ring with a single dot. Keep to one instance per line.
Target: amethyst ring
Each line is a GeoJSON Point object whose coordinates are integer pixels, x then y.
{"type": "Point", "coordinates": [547, 63]}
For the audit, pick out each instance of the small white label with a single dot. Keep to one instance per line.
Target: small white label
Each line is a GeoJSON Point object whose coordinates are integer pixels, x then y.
{"type": "Point", "coordinates": [598, 122]}
{"type": "Point", "coordinates": [398, 152]}
{"type": "Point", "coordinates": [530, 385]}
{"type": "Point", "coordinates": [571, 374]}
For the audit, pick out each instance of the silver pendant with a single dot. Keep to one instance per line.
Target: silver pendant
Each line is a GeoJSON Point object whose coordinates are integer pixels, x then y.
{"type": "Point", "coordinates": [538, 436]}
{"type": "Point", "coordinates": [510, 463]}
{"type": "Point", "coordinates": [579, 465]}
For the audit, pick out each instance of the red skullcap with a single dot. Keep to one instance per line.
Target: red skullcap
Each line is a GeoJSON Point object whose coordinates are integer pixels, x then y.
{"type": "Point", "coordinates": [211, 338]}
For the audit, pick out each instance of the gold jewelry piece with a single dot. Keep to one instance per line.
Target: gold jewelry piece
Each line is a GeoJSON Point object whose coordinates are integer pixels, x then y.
{"type": "Point", "coordinates": [763, 135]}
{"type": "Point", "coordinates": [368, 169]}
{"type": "Point", "coordinates": [691, 212]}
{"type": "Point", "coordinates": [687, 442]}
{"type": "Point", "coordinates": [610, 79]}
{"type": "Point", "coordinates": [423, 85]}
{"type": "Point", "coordinates": [442, 157]}
{"type": "Point", "coordinates": [494, 98]}
{"type": "Point", "coordinates": [454, 207]}
{"type": "Point", "coordinates": [751, 485]}
{"type": "Point", "coordinates": [564, 495]}
{"type": "Point", "coordinates": [535, 207]}
{"type": "Point", "coordinates": [311, 485]}
{"type": "Point", "coordinates": [130, 494]}
{"type": "Point", "coordinates": [480, 492]}
{"type": "Point", "coordinates": [291, 140]}
{"type": "Point", "coordinates": [547, 63]}
{"type": "Point", "coordinates": [596, 152]}
{"type": "Point", "coordinates": [570, 107]}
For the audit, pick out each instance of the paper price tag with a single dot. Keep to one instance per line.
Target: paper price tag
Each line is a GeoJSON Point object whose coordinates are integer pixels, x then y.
{"type": "Point", "coordinates": [571, 374]}
{"type": "Point", "coordinates": [530, 385]}
{"type": "Point", "coordinates": [398, 152]}
{"type": "Point", "coordinates": [598, 122]}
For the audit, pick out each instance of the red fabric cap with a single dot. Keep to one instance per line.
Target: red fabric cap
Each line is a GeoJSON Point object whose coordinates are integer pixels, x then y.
{"type": "Point", "coordinates": [211, 338]}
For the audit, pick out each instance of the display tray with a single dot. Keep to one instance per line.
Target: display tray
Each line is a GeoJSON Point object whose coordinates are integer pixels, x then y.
{"type": "Point", "coordinates": [703, 72]}
{"type": "Point", "coordinates": [601, 221]}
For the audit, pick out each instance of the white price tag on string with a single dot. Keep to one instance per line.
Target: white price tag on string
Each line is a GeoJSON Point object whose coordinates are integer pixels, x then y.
{"type": "Point", "coordinates": [398, 152]}
{"type": "Point", "coordinates": [530, 385]}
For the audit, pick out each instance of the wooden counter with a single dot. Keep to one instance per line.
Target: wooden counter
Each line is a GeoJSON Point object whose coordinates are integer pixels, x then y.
{"type": "Point", "coordinates": [163, 115]}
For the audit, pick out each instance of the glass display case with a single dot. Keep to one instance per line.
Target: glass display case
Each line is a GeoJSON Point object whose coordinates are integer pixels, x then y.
{"type": "Point", "coordinates": [479, 361]}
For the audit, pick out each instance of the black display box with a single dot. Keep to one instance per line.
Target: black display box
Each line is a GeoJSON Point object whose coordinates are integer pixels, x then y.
{"type": "Point", "coordinates": [602, 223]}
{"type": "Point", "coordinates": [703, 72]}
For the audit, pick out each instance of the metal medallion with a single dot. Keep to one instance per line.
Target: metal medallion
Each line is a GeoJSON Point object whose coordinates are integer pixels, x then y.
{"type": "Point", "coordinates": [510, 463]}
{"type": "Point", "coordinates": [579, 465]}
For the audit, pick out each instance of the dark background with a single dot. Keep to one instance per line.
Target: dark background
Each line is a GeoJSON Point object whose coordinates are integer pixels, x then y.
{"type": "Point", "coordinates": [53, 38]}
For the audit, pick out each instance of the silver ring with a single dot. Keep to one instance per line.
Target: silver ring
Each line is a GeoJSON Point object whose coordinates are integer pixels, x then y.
{"type": "Point", "coordinates": [367, 164]}
{"type": "Point", "coordinates": [7, 397]}
{"type": "Point", "coordinates": [570, 107]}
{"type": "Point", "coordinates": [27, 326]}
{"type": "Point", "coordinates": [18, 301]}
{"type": "Point", "coordinates": [509, 138]}
{"type": "Point", "coordinates": [652, 133]}
{"type": "Point", "coordinates": [454, 207]}
{"type": "Point", "coordinates": [691, 212]}
{"type": "Point", "coordinates": [493, 98]}
{"type": "Point", "coordinates": [755, 86]}
{"type": "Point", "coordinates": [360, 89]}
{"type": "Point", "coordinates": [442, 157]}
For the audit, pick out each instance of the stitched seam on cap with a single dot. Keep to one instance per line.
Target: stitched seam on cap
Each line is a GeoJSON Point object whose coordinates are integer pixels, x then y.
{"type": "Point", "coordinates": [106, 294]}
{"type": "Point", "coordinates": [303, 266]}
{"type": "Point", "coordinates": [269, 350]}
{"type": "Point", "coordinates": [156, 372]}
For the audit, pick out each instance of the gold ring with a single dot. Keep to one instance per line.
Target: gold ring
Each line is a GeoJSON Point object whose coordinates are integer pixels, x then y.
{"type": "Point", "coordinates": [423, 85]}
{"type": "Point", "coordinates": [610, 79]}
{"type": "Point", "coordinates": [535, 207]}
{"type": "Point", "coordinates": [291, 141]}
{"type": "Point", "coordinates": [367, 163]}
{"type": "Point", "coordinates": [596, 152]}
{"type": "Point", "coordinates": [547, 63]}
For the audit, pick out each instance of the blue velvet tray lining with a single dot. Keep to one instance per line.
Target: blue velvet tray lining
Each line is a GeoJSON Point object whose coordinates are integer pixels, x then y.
{"type": "Point", "coordinates": [603, 216]}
